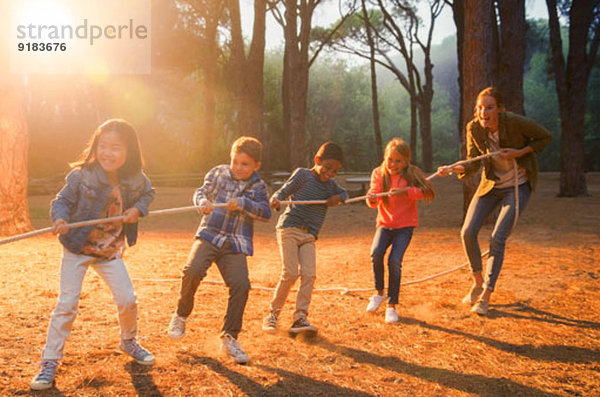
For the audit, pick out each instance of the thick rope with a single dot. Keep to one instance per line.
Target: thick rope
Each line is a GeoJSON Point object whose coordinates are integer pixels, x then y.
{"type": "Point", "coordinates": [362, 198]}
{"type": "Point", "coordinates": [516, 186]}
{"type": "Point", "coordinates": [169, 211]}
{"type": "Point", "coordinates": [343, 290]}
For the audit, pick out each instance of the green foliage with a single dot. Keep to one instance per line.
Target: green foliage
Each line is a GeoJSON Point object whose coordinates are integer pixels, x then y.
{"type": "Point", "coordinates": [274, 141]}
{"type": "Point", "coordinates": [167, 106]}
{"type": "Point", "coordinates": [541, 104]}
{"type": "Point", "coordinates": [339, 108]}
{"type": "Point", "coordinates": [592, 122]}
{"type": "Point", "coordinates": [446, 140]}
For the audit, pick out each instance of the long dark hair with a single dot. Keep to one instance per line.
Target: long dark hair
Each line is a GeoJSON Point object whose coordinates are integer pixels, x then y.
{"type": "Point", "coordinates": [413, 174]}
{"type": "Point", "coordinates": [133, 162]}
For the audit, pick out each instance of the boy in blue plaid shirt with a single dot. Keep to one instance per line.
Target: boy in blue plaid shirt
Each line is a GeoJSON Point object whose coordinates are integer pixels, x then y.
{"type": "Point", "coordinates": [225, 237]}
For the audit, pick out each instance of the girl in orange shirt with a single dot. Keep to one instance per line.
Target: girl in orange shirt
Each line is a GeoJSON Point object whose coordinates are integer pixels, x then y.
{"type": "Point", "coordinates": [397, 216]}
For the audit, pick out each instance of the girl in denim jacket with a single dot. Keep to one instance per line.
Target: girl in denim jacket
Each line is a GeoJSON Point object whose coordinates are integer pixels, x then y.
{"type": "Point", "coordinates": [107, 181]}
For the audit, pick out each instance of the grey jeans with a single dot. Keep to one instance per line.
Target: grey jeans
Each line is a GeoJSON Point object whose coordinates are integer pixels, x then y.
{"type": "Point", "coordinates": [234, 270]}
{"type": "Point", "coordinates": [478, 211]}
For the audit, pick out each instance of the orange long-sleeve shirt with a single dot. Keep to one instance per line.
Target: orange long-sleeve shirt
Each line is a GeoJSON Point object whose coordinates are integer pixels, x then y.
{"type": "Point", "coordinates": [400, 211]}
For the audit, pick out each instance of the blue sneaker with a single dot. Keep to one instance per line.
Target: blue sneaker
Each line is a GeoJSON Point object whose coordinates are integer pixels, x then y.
{"type": "Point", "coordinates": [135, 350]}
{"type": "Point", "coordinates": [45, 378]}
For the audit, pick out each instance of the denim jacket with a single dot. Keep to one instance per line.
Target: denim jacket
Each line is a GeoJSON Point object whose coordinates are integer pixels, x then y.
{"type": "Point", "coordinates": [83, 198]}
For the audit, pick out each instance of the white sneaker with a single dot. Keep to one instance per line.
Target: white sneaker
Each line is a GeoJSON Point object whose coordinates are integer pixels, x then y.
{"type": "Point", "coordinates": [176, 327]}
{"type": "Point", "coordinates": [390, 315]}
{"type": "Point", "coordinates": [472, 296]}
{"type": "Point", "coordinates": [233, 349]}
{"type": "Point", "coordinates": [481, 307]}
{"type": "Point", "coordinates": [374, 302]}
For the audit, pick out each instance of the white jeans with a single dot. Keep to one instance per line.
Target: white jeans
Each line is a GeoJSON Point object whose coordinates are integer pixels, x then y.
{"type": "Point", "coordinates": [72, 273]}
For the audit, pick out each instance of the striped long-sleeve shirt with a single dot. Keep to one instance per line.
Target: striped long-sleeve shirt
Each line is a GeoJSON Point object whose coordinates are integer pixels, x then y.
{"type": "Point", "coordinates": [304, 185]}
{"type": "Point", "coordinates": [236, 226]}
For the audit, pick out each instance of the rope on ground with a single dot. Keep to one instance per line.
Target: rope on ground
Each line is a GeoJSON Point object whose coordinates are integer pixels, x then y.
{"type": "Point", "coordinates": [343, 290]}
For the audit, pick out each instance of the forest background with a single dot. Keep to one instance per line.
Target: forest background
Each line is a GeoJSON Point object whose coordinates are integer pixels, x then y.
{"type": "Point", "coordinates": [167, 106]}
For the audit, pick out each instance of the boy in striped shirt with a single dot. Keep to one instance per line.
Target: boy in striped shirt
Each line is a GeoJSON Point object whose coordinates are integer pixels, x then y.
{"type": "Point", "coordinates": [297, 231]}
{"type": "Point", "coordinates": [225, 237]}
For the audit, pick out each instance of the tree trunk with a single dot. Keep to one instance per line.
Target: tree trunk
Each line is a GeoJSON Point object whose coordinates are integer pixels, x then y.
{"type": "Point", "coordinates": [571, 87]}
{"type": "Point", "coordinates": [458, 14]}
{"type": "Point", "coordinates": [295, 78]}
{"type": "Point", "coordinates": [426, 91]}
{"type": "Point", "coordinates": [254, 106]}
{"type": "Point", "coordinates": [476, 72]}
{"type": "Point", "coordinates": [14, 207]}
{"type": "Point", "coordinates": [425, 128]}
{"type": "Point", "coordinates": [408, 81]}
{"type": "Point", "coordinates": [210, 69]}
{"type": "Point", "coordinates": [511, 57]}
{"type": "Point", "coordinates": [414, 114]}
{"type": "Point", "coordinates": [248, 71]}
{"type": "Point", "coordinates": [374, 96]}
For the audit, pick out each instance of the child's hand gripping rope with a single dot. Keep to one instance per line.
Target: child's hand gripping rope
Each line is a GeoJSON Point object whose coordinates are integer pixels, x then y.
{"type": "Point", "coordinates": [206, 206]}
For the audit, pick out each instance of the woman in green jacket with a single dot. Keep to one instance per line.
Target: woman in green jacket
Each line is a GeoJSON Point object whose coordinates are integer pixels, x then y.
{"type": "Point", "coordinates": [516, 138]}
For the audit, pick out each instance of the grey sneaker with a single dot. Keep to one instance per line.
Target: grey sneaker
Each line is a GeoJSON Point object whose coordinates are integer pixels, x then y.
{"type": "Point", "coordinates": [302, 325]}
{"type": "Point", "coordinates": [45, 378]}
{"type": "Point", "coordinates": [176, 327]}
{"type": "Point", "coordinates": [232, 348]}
{"type": "Point", "coordinates": [270, 323]}
{"type": "Point", "coordinates": [481, 307]}
{"type": "Point", "coordinates": [135, 350]}
{"type": "Point", "coordinates": [472, 296]}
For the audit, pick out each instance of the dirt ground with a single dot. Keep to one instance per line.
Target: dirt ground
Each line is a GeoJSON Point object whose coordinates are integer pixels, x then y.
{"type": "Point", "coordinates": [541, 338]}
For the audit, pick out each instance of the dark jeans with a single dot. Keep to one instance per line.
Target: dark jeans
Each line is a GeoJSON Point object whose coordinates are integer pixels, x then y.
{"type": "Point", "coordinates": [399, 240]}
{"type": "Point", "coordinates": [479, 209]}
{"type": "Point", "coordinates": [234, 270]}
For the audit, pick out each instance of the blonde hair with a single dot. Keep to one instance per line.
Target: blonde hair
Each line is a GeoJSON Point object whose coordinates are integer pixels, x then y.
{"type": "Point", "coordinates": [413, 174]}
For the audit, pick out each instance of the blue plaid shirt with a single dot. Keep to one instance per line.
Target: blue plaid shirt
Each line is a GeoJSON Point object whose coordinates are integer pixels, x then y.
{"type": "Point", "coordinates": [236, 226]}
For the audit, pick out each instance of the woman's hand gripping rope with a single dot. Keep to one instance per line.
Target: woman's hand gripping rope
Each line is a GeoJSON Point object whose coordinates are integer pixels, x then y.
{"type": "Point", "coordinates": [458, 167]}
{"type": "Point", "coordinates": [206, 207]}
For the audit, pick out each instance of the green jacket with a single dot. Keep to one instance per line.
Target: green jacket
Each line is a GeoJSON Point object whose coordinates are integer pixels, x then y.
{"type": "Point", "coordinates": [515, 132]}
